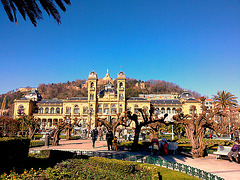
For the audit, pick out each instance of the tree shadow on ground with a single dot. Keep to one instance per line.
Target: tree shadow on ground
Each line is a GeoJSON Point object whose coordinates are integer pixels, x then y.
{"type": "Point", "coordinates": [47, 158]}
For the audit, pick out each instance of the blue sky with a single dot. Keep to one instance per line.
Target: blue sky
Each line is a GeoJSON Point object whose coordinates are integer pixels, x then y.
{"type": "Point", "coordinates": [195, 44]}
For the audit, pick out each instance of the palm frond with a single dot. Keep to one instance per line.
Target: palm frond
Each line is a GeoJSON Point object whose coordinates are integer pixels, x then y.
{"type": "Point", "coordinates": [21, 7]}
{"type": "Point", "coordinates": [225, 99]}
{"type": "Point", "coordinates": [8, 10]}
{"type": "Point", "coordinates": [61, 5]}
{"type": "Point", "coordinates": [31, 9]}
{"type": "Point", "coordinates": [50, 8]}
{"type": "Point", "coordinates": [14, 10]}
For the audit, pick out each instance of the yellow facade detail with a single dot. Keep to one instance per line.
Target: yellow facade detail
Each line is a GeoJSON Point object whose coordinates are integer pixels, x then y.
{"type": "Point", "coordinates": [101, 103]}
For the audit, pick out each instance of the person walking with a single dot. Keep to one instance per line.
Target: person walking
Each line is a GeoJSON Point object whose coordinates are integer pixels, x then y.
{"type": "Point", "coordinates": [125, 133]}
{"type": "Point", "coordinates": [109, 138]}
{"type": "Point", "coordinates": [94, 135]}
{"type": "Point", "coordinates": [100, 134]}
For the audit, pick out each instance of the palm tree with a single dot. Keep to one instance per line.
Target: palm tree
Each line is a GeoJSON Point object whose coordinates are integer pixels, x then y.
{"type": "Point", "coordinates": [31, 9]}
{"type": "Point", "coordinates": [225, 99]}
{"type": "Point", "coordinates": [228, 103]}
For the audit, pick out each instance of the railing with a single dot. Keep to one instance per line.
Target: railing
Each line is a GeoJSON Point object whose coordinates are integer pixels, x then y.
{"type": "Point", "coordinates": [150, 160]}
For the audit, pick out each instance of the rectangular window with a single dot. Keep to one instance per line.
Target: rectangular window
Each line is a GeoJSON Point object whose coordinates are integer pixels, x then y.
{"type": "Point", "coordinates": [99, 110]}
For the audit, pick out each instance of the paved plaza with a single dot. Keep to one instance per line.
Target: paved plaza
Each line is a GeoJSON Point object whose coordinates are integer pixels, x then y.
{"type": "Point", "coordinates": [222, 168]}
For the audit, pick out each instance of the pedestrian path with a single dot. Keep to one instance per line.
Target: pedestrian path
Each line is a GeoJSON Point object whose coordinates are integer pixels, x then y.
{"type": "Point", "coordinates": [222, 168]}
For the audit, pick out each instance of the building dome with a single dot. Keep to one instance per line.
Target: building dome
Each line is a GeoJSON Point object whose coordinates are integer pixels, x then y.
{"type": "Point", "coordinates": [33, 95]}
{"type": "Point", "coordinates": [92, 75]}
{"type": "Point", "coordinates": [121, 75]}
{"type": "Point", "coordinates": [186, 95]}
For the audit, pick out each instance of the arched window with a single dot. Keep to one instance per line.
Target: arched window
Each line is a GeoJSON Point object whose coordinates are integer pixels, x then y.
{"type": "Point", "coordinates": [58, 110]}
{"type": "Point", "coordinates": [120, 85]}
{"type": "Point", "coordinates": [168, 110]}
{"type": "Point", "coordinates": [174, 110]}
{"type": "Point", "coordinates": [91, 97]}
{"type": "Point", "coordinates": [157, 111]}
{"type": "Point", "coordinates": [106, 111]}
{"type": "Point", "coordinates": [163, 110]}
{"type": "Point", "coordinates": [76, 109]}
{"type": "Point", "coordinates": [41, 110]}
{"type": "Point", "coordinates": [68, 110]}
{"type": "Point", "coordinates": [21, 109]}
{"type": "Point", "coordinates": [121, 96]}
{"type": "Point", "coordinates": [92, 85]}
{"type": "Point", "coordinates": [46, 110]}
{"type": "Point", "coordinates": [52, 110]}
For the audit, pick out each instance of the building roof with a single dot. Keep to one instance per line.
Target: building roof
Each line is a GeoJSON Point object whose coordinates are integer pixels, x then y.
{"type": "Point", "coordinates": [136, 99]}
{"type": "Point", "coordinates": [109, 88]}
{"type": "Point", "coordinates": [186, 95]}
{"type": "Point", "coordinates": [78, 98]}
{"type": "Point", "coordinates": [192, 101]}
{"type": "Point", "coordinates": [51, 101]}
{"type": "Point", "coordinates": [92, 75]}
{"type": "Point", "coordinates": [166, 101]}
{"type": "Point", "coordinates": [107, 77]}
{"type": "Point", "coordinates": [121, 75]}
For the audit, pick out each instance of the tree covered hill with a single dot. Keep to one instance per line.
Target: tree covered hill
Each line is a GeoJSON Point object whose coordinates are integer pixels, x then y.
{"type": "Point", "coordinates": [78, 88]}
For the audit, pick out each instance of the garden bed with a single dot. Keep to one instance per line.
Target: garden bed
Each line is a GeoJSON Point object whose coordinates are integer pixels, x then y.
{"type": "Point", "coordinates": [84, 167]}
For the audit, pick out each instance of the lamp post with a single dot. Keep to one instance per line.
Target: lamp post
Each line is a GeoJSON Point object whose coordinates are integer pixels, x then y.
{"type": "Point", "coordinates": [90, 121]}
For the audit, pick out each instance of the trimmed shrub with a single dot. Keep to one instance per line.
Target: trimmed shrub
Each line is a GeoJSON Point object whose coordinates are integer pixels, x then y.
{"type": "Point", "coordinates": [36, 143]}
{"type": "Point", "coordinates": [37, 136]}
{"type": "Point", "coordinates": [13, 151]}
{"type": "Point", "coordinates": [113, 164]}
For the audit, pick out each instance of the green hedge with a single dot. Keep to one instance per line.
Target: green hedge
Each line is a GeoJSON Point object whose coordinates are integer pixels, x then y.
{"type": "Point", "coordinates": [72, 137]}
{"type": "Point", "coordinates": [36, 143]}
{"type": "Point", "coordinates": [113, 164]}
{"type": "Point", "coordinates": [208, 142]}
{"type": "Point", "coordinates": [13, 151]}
{"type": "Point", "coordinates": [131, 167]}
{"type": "Point", "coordinates": [38, 136]}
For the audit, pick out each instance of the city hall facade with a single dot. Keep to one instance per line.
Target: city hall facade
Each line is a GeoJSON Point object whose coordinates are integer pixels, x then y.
{"type": "Point", "coordinates": [101, 103]}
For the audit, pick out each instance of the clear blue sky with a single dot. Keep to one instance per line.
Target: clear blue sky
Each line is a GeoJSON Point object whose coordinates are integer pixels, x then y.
{"type": "Point", "coordinates": [195, 44]}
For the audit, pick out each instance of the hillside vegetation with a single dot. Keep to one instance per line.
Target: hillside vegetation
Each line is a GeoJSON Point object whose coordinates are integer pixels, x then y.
{"type": "Point", "coordinates": [78, 88]}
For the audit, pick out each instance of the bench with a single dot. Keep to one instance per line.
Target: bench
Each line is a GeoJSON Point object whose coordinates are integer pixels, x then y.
{"type": "Point", "coordinates": [173, 147]}
{"type": "Point", "coordinates": [222, 151]}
